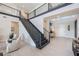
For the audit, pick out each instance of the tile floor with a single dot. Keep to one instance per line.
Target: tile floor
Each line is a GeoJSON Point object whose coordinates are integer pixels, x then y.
{"type": "Point", "coordinates": [57, 47]}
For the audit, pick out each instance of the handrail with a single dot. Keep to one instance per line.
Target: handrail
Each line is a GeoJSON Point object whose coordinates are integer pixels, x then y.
{"type": "Point", "coordinates": [9, 14]}
{"type": "Point", "coordinates": [37, 8]}
{"type": "Point", "coordinates": [46, 30]}
{"type": "Point", "coordinates": [65, 4]}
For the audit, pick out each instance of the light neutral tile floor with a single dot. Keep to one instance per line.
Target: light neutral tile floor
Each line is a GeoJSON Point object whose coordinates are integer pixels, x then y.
{"type": "Point", "coordinates": [57, 47]}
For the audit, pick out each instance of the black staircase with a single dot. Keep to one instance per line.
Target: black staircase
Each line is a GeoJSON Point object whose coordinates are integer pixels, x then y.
{"type": "Point", "coordinates": [35, 34]}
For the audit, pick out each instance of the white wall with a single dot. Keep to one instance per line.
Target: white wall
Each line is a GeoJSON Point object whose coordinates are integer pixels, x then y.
{"type": "Point", "coordinates": [38, 21]}
{"type": "Point", "coordinates": [62, 30]}
{"type": "Point", "coordinates": [71, 33]}
{"type": "Point", "coordinates": [61, 27]}
{"type": "Point", "coordinates": [5, 25]}
{"type": "Point", "coordinates": [59, 30]}
{"type": "Point", "coordinates": [5, 21]}
{"type": "Point", "coordinates": [5, 29]}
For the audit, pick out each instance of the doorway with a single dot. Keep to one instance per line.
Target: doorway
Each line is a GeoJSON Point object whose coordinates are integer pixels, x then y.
{"type": "Point", "coordinates": [75, 28]}
{"type": "Point", "coordinates": [15, 28]}
{"type": "Point", "coordinates": [61, 27]}
{"type": "Point", "coordinates": [49, 30]}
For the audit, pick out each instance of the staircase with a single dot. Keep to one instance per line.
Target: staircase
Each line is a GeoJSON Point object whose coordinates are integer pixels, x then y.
{"type": "Point", "coordinates": [35, 34]}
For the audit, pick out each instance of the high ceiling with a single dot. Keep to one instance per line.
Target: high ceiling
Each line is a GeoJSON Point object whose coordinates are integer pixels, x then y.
{"type": "Point", "coordinates": [26, 6]}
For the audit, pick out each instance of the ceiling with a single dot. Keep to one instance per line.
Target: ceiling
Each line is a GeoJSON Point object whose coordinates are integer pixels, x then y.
{"type": "Point", "coordinates": [26, 6]}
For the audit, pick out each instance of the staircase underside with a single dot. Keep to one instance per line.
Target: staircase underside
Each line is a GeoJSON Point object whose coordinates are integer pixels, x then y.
{"type": "Point", "coordinates": [35, 34]}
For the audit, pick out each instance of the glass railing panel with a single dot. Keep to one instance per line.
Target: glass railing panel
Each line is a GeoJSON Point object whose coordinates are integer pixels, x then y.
{"type": "Point", "coordinates": [31, 14]}
{"type": "Point", "coordinates": [54, 5]}
{"type": "Point", "coordinates": [42, 9]}
{"type": "Point", "coordinates": [8, 10]}
{"type": "Point", "coordinates": [45, 7]}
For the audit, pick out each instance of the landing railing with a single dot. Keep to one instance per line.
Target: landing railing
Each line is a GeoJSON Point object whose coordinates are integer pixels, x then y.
{"type": "Point", "coordinates": [45, 8]}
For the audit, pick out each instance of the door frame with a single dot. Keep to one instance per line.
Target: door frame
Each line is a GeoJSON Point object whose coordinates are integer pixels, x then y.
{"type": "Point", "coordinates": [75, 28]}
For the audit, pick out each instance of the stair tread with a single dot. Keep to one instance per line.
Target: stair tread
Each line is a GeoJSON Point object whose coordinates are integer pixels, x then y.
{"type": "Point", "coordinates": [43, 45]}
{"type": "Point", "coordinates": [43, 42]}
